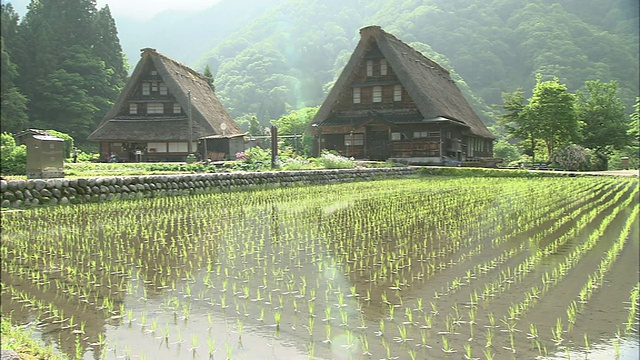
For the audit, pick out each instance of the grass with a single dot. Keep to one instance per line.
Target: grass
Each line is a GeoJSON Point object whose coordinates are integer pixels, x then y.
{"type": "Point", "coordinates": [21, 341]}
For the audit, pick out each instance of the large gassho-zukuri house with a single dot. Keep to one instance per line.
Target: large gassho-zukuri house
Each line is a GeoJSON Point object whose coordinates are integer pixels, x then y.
{"type": "Point", "coordinates": [162, 112]}
{"type": "Point", "coordinates": [392, 102]}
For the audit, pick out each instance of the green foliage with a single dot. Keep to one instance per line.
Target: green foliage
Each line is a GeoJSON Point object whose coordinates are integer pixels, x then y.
{"type": "Point", "coordinates": [605, 124]}
{"type": "Point", "coordinates": [70, 65]}
{"type": "Point", "coordinates": [331, 160]}
{"type": "Point", "coordinates": [22, 342]}
{"type": "Point", "coordinates": [551, 110]}
{"type": "Point", "coordinates": [13, 157]}
{"type": "Point", "coordinates": [515, 122]}
{"type": "Point", "coordinates": [68, 141]}
{"type": "Point", "coordinates": [296, 163]}
{"type": "Point", "coordinates": [207, 73]}
{"type": "Point", "coordinates": [253, 159]}
{"type": "Point", "coordinates": [506, 151]}
{"type": "Point", "coordinates": [548, 116]}
{"type": "Point", "coordinates": [502, 45]}
{"type": "Point", "coordinates": [13, 117]}
{"type": "Point", "coordinates": [296, 123]}
{"type": "Point", "coordinates": [254, 126]}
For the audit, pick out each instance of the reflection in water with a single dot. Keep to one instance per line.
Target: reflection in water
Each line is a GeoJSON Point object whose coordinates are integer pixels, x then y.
{"type": "Point", "coordinates": [402, 268]}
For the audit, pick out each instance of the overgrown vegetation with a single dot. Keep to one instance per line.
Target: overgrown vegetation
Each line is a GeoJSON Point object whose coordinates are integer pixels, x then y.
{"type": "Point", "coordinates": [20, 340]}
{"type": "Point", "coordinates": [13, 157]}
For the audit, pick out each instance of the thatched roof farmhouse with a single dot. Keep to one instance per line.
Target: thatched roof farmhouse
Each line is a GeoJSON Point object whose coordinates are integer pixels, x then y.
{"type": "Point", "coordinates": [162, 107]}
{"type": "Point", "coordinates": [391, 101]}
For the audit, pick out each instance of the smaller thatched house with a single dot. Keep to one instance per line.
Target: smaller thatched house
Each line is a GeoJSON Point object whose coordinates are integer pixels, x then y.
{"type": "Point", "coordinates": [163, 110]}
{"type": "Point", "coordinates": [392, 102]}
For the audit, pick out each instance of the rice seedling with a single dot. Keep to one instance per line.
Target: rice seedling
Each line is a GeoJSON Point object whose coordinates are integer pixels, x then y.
{"type": "Point", "coordinates": [269, 249]}
{"type": "Point", "coordinates": [556, 332]}
{"type": "Point", "coordinates": [446, 347]}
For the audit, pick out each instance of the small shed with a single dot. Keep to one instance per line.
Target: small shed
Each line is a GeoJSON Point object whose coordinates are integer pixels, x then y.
{"type": "Point", "coordinates": [221, 147]}
{"type": "Point", "coordinates": [45, 154]}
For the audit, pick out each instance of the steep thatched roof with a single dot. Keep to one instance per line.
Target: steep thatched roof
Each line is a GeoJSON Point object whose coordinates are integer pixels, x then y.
{"type": "Point", "coordinates": [429, 84]}
{"type": "Point", "coordinates": [209, 117]}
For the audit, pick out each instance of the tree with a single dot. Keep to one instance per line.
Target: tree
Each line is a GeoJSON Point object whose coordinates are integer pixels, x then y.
{"type": "Point", "coordinates": [507, 152]}
{"type": "Point", "coordinates": [71, 64]}
{"type": "Point", "coordinates": [254, 126]}
{"type": "Point", "coordinates": [603, 117]}
{"type": "Point", "coordinates": [13, 116]}
{"type": "Point", "coordinates": [296, 123]}
{"type": "Point", "coordinates": [516, 122]}
{"type": "Point", "coordinates": [551, 112]}
{"type": "Point", "coordinates": [209, 75]}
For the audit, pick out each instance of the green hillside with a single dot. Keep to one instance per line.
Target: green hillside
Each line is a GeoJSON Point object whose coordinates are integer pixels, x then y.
{"type": "Point", "coordinates": [289, 56]}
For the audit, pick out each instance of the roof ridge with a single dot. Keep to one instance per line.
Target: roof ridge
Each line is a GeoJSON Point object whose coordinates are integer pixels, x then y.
{"type": "Point", "coordinates": [178, 63]}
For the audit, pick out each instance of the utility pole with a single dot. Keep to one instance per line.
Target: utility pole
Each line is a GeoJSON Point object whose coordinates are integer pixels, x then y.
{"type": "Point", "coordinates": [189, 145]}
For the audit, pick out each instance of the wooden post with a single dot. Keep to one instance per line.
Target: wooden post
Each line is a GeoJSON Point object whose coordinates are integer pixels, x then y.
{"type": "Point", "coordinates": [274, 146]}
{"type": "Point", "coordinates": [190, 144]}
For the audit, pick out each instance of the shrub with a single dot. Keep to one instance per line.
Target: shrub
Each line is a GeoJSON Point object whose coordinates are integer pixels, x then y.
{"type": "Point", "coordinates": [330, 160]}
{"type": "Point", "coordinates": [506, 151]}
{"type": "Point", "coordinates": [296, 163]}
{"type": "Point", "coordinates": [13, 157]}
{"type": "Point", "coordinates": [571, 157]}
{"type": "Point", "coordinates": [253, 159]}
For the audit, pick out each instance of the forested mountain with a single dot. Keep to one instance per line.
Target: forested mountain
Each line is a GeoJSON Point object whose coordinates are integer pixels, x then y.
{"type": "Point", "coordinates": [185, 35]}
{"type": "Point", "coordinates": [272, 56]}
{"type": "Point", "coordinates": [287, 58]}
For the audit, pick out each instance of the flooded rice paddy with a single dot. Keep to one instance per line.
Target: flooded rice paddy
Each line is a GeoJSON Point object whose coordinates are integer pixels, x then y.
{"type": "Point", "coordinates": [432, 268]}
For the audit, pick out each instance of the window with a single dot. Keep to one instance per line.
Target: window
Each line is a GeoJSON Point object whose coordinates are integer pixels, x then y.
{"type": "Point", "coordinates": [356, 95]}
{"type": "Point", "coordinates": [157, 147]}
{"type": "Point", "coordinates": [163, 89]}
{"type": "Point", "coordinates": [397, 136]}
{"type": "Point", "coordinates": [154, 73]}
{"type": "Point", "coordinates": [178, 147]}
{"type": "Point", "coordinates": [383, 67]}
{"type": "Point", "coordinates": [369, 67]}
{"type": "Point", "coordinates": [354, 139]}
{"type": "Point", "coordinates": [397, 93]}
{"type": "Point", "coordinates": [377, 94]}
{"type": "Point", "coordinates": [133, 108]}
{"type": "Point", "coordinates": [154, 86]}
{"type": "Point", "coordinates": [177, 109]}
{"type": "Point", "coordinates": [420, 134]}
{"type": "Point", "coordinates": [146, 88]}
{"type": "Point", "coordinates": [155, 108]}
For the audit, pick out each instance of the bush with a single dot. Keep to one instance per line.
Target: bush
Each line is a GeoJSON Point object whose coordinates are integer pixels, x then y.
{"type": "Point", "coordinates": [253, 159]}
{"type": "Point", "coordinates": [296, 163]}
{"type": "Point", "coordinates": [571, 157]}
{"type": "Point", "coordinates": [330, 160]}
{"type": "Point", "coordinates": [506, 151]}
{"type": "Point", "coordinates": [13, 157]}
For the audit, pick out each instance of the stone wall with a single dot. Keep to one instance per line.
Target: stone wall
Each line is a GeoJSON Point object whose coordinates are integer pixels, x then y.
{"type": "Point", "coordinates": [35, 192]}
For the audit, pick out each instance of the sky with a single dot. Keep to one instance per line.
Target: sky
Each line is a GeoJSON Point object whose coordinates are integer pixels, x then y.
{"type": "Point", "coordinates": [144, 9]}
{"type": "Point", "coordinates": [137, 9]}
